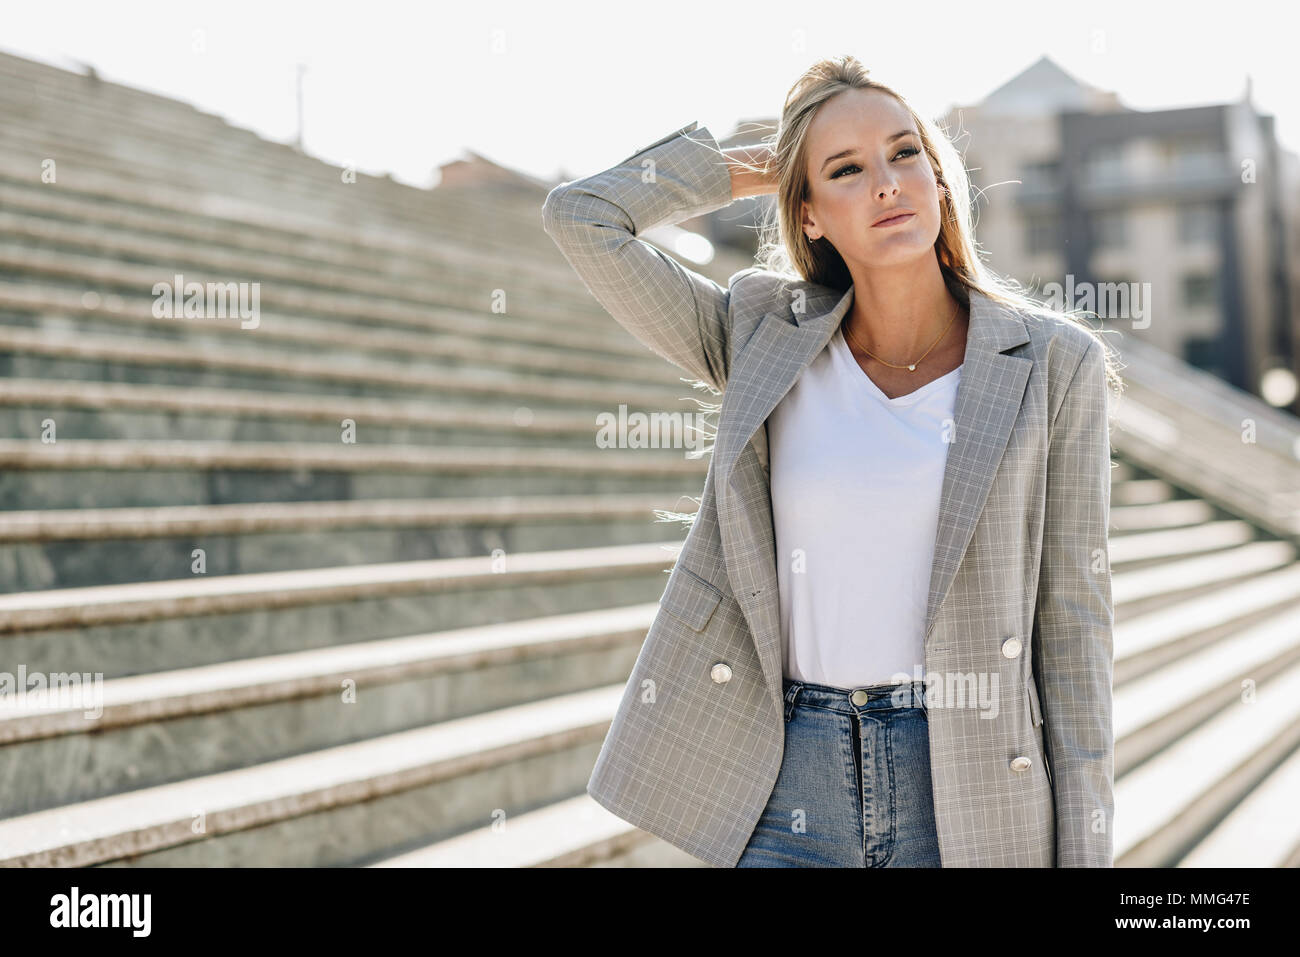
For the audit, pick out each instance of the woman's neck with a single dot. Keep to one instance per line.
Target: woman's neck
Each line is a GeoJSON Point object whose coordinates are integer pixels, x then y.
{"type": "Point", "coordinates": [900, 313]}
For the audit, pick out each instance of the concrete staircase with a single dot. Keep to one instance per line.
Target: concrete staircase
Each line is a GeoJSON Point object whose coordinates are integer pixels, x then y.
{"type": "Point", "coordinates": [361, 587]}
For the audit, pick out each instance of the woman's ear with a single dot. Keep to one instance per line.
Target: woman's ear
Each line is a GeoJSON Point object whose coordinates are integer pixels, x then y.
{"type": "Point", "coordinates": [808, 226]}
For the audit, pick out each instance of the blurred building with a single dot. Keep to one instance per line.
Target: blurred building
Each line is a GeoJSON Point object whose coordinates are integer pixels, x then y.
{"type": "Point", "coordinates": [475, 171]}
{"type": "Point", "coordinates": [1196, 206]}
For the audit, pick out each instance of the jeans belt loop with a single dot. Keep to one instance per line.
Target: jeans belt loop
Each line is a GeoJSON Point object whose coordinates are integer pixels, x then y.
{"type": "Point", "coordinates": [791, 697]}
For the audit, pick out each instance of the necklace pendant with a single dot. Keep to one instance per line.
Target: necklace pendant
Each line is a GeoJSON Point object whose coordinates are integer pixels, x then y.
{"type": "Point", "coordinates": [912, 367]}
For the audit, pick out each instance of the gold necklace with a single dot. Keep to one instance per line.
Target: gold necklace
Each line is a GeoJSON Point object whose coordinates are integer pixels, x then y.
{"type": "Point", "coordinates": [911, 367]}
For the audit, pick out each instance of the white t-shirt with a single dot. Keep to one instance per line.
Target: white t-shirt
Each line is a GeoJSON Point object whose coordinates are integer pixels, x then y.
{"type": "Point", "coordinates": [856, 478]}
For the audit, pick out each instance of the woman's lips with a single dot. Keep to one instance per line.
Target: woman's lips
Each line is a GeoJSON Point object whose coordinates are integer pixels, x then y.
{"type": "Point", "coordinates": [896, 221]}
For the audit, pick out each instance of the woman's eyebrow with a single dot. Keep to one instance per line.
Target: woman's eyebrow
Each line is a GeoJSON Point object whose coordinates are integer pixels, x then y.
{"type": "Point", "coordinates": [853, 149]}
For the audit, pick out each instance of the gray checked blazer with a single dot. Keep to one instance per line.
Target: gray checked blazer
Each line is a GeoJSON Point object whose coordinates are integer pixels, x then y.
{"type": "Point", "coordinates": [1020, 589]}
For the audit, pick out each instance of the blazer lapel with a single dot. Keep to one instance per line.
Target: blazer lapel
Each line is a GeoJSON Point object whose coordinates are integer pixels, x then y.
{"type": "Point", "coordinates": [784, 344]}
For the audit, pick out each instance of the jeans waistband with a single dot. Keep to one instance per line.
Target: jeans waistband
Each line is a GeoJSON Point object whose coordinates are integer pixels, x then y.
{"type": "Point", "coordinates": [878, 697]}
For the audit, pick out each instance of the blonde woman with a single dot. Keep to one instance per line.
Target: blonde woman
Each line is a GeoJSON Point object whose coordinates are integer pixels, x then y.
{"type": "Point", "coordinates": [887, 639]}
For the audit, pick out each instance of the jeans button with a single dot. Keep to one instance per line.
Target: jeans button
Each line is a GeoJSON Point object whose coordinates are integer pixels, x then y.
{"type": "Point", "coordinates": [858, 697]}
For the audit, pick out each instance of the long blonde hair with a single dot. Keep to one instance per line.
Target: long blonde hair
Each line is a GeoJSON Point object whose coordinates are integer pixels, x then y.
{"type": "Point", "coordinates": [785, 250]}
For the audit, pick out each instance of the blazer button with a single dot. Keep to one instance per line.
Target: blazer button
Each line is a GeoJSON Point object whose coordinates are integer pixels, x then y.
{"type": "Point", "coordinates": [1010, 647]}
{"type": "Point", "coordinates": [1020, 763]}
{"type": "Point", "coordinates": [720, 673]}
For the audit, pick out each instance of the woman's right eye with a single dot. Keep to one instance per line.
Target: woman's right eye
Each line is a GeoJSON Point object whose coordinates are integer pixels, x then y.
{"type": "Point", "coordinates": [836, 174]}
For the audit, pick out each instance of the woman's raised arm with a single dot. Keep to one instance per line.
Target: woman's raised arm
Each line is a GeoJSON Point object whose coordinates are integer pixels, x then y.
{"type": "Point", "coordinates": [676, 312]}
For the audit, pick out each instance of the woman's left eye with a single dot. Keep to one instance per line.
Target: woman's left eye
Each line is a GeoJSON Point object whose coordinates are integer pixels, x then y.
{"type": "Point", "coordinates": [908, 151]}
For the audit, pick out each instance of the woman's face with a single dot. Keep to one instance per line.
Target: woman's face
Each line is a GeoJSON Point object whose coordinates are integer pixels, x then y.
{"type": "Point", "coordinates": [877, 171]}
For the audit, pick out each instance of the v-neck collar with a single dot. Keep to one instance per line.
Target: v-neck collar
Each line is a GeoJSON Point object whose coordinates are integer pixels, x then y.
{"type": "Point", "coordinates": [845, 356]}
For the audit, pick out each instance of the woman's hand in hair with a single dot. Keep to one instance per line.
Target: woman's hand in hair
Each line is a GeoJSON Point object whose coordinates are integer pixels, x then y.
{"type": "Point", "coordinates": [747, 181]}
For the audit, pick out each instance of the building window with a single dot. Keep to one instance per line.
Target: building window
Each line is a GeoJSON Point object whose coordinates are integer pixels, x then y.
{"type": "Point", "coordinates": [1203, 352]}
{"type": "Point", "coordinates": [1110, 229]}
{"type": "Point", "coordinates": [1197, 223]}
{"type": "Point", "coordinates": [1200, 291]}
{"type": "Point", "coordinates": [1041, 177]}
{"type": "Point", "coordinates": [1042, 234]}
{"type": "Point", "coordinates": [1195, 156]}
{"type": "Point", "coordinates": [1105, 163]}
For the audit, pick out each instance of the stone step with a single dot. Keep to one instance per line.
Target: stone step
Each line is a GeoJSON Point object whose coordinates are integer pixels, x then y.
{"type": "Point", "coordinates": [1146, 589]}
{"type": "Point", "coordinates": [576, 832]}
{"type": "Point", "coordinates": [26, 303]}
{"type": "Point", "coordinates": [1147, 549]}
{"type": "Point", "coordinates": [1122, 471]}
{"type": "Point", "coordinates": [471, 279]}
{"type": "Point", "coordinates": [142, 627]}
{"type": "Point", "coordinates": [61, 313]}
{"type": "Point", "coordinates": [136, 212]}
{"type": "Point", "coordinates": [1147, 642]}
{"type": "Point", "coordinates": [74, 547]}
{"type": "Point", "coordinates": [499, 220]}
{"type": "Point", "coordinates": [104, 198]}
{"type": "Point", "coordinates": [1170, 803]}
{"type": "Point", "coordinates": [37, 110]}
{"type": "Point", "coordinates": [152, 413]}
{"type": "Point", "coordinates": [86, 473]}
{"type": "Point", "coordinates": [167, 726]}
{"type": "Point", "coordinates": [336, 806]}
{"type": "Point", "coordinates": [1155, 711]}
{"type": "Point", "coordinates": [1186, 423]}
{"type": "Point", "coordinates": [42, 354]}
{"type": "Point", "coordinates": [77, 286]}
{"type": "Point", "coordinates": [84, 525]}
{"type": "Point", "coordinates": [1143, 492]}
{"type": "Point", "coordinates": [114, 100]}
{"type": "Point", "coordinates": [1262, 831]}
{"type": "Point", "coordinates": [114, 189]}
{"type": "Point", "coordinates": [302, 184]}
{"type": "Point", "coordinates": [1175, 513]}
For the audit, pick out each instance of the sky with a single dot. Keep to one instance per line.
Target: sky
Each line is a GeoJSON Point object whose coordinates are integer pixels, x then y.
{"type": "Point", "coordinates": [558, 88]}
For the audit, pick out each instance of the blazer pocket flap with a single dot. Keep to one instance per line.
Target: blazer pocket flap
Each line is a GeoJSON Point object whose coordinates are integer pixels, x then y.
{"type": "Point", "coordinates": [1035, 708]}
{"type": "Point", "coordinates": [690, 598]}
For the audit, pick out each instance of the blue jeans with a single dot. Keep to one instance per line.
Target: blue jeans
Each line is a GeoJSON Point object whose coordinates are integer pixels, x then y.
{"type": "Point", "coordinates": [854, 786]}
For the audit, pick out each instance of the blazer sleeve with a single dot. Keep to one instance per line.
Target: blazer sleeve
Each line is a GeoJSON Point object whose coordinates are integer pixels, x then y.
{"type": "Point", "coordinates": [1075, 619]}
{"type": "Point", "coordinates": [596, 221]}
